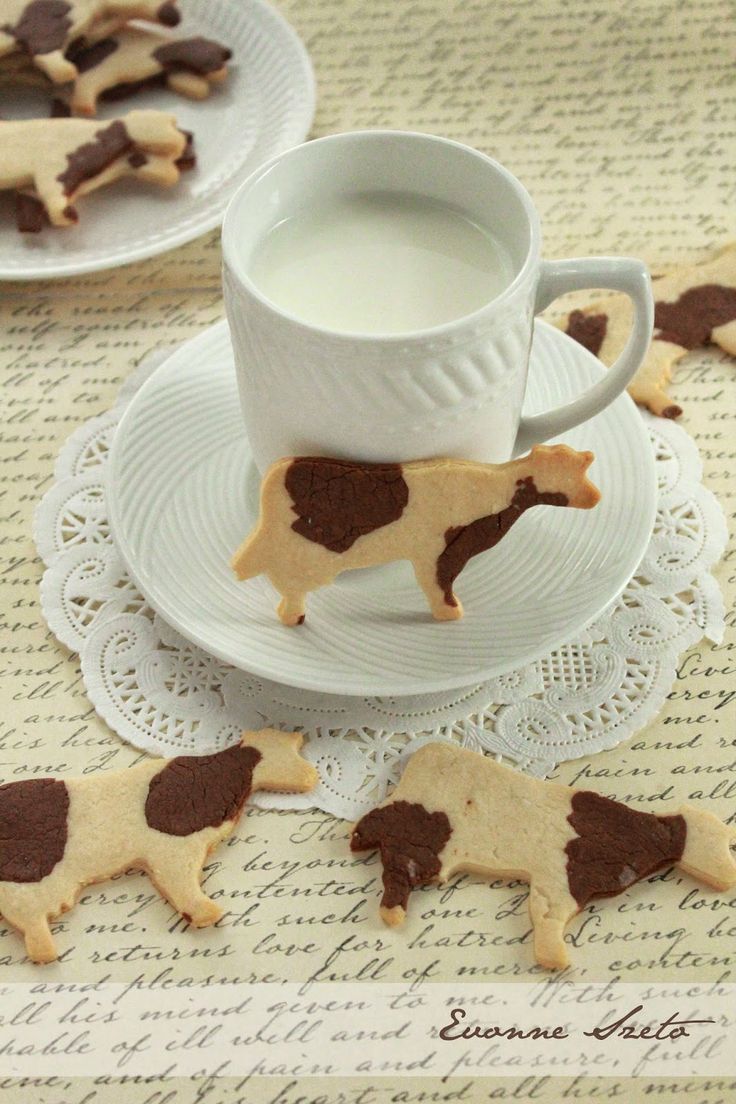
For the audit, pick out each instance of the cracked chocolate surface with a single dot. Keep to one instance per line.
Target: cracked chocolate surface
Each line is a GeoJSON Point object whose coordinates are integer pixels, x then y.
{"type": "Point", "coordinates": [410, 840]}
{"type": "Point", "coordinates": [589, 330]}
{"type": "Point", "coordinates": [200, 791]}
{"type": "Point", "coordinates": [690, 320]}
{"type": "Point", "coordinates": [617, 846]}
{"type": "Point", "coordinates": [338, 501]}
{"type": "Point", "coordinates": [466, 541]}
{"type": "Point", "coordinates": [33, 828]}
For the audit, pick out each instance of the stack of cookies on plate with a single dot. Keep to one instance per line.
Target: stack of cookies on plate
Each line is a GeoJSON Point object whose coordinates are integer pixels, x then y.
{"type": "Point", "coordinates": [84, 51]}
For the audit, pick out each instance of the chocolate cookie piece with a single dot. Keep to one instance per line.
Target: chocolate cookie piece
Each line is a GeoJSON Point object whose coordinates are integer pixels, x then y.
{"type": "Point", "coordinates": [694, 306]}
{"type": "Point", "coordinates": [457, 811]}
{"type": "Point", "coordinates": [435, 513]}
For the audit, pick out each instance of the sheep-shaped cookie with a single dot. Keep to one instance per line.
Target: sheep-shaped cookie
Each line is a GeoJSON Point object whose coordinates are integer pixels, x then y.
{"type": "Point", "coordinates": [44, 29]}
{"type": "Point", "coordinates": [435, 513]}
{"type": "Point", "coordinates": [455, 810]}
{"type": "Point", "coordinates": [162, 815]}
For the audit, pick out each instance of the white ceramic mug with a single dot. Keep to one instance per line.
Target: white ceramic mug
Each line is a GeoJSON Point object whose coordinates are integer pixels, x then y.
{"type": "Point", "coordinates": [451, 390]}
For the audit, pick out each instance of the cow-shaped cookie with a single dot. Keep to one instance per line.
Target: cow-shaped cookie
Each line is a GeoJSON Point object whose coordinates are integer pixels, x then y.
{"type": "Point", "coordinates": [693, 306]}
{"type": "Point", "coordinates": [162, 815]}
{"type": "Point", "coordinates": [135, 58]}
{"type": "Point", "coordinates": [435, 513]}
{"type": "Point", "coordinates": [45, 29]}
{"type": "Point", "coordinates": [455, 810]}
{"type": "Point", "coordinates": [58, 160]}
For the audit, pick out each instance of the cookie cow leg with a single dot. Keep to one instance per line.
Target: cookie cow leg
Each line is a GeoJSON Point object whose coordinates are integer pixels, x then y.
{"type": "Point", "coordinates": [441, 608]}
{"type": "Point", "coordinates": [34, 927]}
{"type": "Point", "coordinates": [550, 912]}
{"type": "Point", "coordinates": [56, 67]}
{"type": "Point", "coordinates": [175, 867]}
{"type": "Point", "coordinates": [292, 608]}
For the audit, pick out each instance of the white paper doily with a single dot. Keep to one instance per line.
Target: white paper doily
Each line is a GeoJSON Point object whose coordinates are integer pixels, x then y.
{"type": "Point", "coordinates": [168, 697]}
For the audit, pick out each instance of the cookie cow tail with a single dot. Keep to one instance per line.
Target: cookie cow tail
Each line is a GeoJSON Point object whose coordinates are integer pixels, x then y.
{"type": "Point", "coordinates": [708, 853]}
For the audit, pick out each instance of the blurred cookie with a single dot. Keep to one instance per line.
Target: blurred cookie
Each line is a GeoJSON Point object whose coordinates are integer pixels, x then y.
{"type": "Point", "coordinates": [694, 306]}
{"type": "Point", "coordinates": [45, 29]}
{"type": "Point", "coordinates": [133, 58]}
{"type": "Point", "coordinates": [57, 160]}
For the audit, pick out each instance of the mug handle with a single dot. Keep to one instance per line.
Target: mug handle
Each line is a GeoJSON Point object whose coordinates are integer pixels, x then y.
{"type": "Point", "coordinates": [620, 274]}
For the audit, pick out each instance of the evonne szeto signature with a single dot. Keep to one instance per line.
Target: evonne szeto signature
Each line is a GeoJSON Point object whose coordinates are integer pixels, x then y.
{"type": "Point", "coordinates": [622, 1028]}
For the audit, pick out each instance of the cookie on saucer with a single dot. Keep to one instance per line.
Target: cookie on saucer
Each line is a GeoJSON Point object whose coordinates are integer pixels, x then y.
{"type": "Point", "coordinates": [321, 516]}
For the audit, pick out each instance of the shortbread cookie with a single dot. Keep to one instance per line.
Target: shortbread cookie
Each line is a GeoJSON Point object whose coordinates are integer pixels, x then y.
{"type": "Point", "coordinates": [455, 810]}
{"type": "Point", "coordinates": [45, 29]}
{"type": "Point", "coordinates": [435, 513]}
{"type": "Point", "coordinates": [134, 58]}
{"type": "Point", "coordinates": [58, 160]}
{"type": "Point", "coordinates": [693, 306]}
{"type": "Point", "coordinates": [163, 816]}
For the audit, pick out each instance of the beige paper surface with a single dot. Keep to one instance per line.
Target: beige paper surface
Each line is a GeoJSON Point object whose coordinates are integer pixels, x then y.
{"type": "Point", "coordinates": [620, 121]}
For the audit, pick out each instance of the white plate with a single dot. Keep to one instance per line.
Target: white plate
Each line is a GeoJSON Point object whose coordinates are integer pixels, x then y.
{"type": "Point", "coordinates": [265, 106]}
{"type": "Point", "coordinates": [183, 494]}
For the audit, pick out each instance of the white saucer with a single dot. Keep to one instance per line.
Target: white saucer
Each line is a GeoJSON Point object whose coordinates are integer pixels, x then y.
{"type": "Point", "coordinates": [265, 106]}
{"type": "Point", "coordinates": [183, 493]}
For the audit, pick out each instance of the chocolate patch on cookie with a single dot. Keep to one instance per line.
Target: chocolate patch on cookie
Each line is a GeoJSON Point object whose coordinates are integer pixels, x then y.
{"type": "Point", "coordinates": [616, 845]}
{"type": "Point", "coordinates": [42, 27]}
{"type": "Point", "coordinates": [30, 214]}
{"type": "Point", "coordinates": [59, 109]}
{"type": "Point", "coordinates": [465, 541]}
{"type": "Point", "coordinates": [588, 330]}
{"type": "Point", "coordinates": [200, 791]}
{"type": "Point", "coordinates": [339, 501]}
{"type": "Point", "coordinates": [188, 158]}
{"type": "Point", "coordinates": [410, 840]}
{"type": "Point", "coordinates": [33, 828]}
{"type": "Point", "coordinates": [168, 15]}
{"type": "Point", "coordinates": [90, 159]}
{"type": "Point", "coordinates": [130, 88]}
{"type": "Point", "coordinates": [86, 57]}
{"type": "Point", "coordinates": [194, 55]}
{"type": "Point", "coordinates": [690, 320]}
